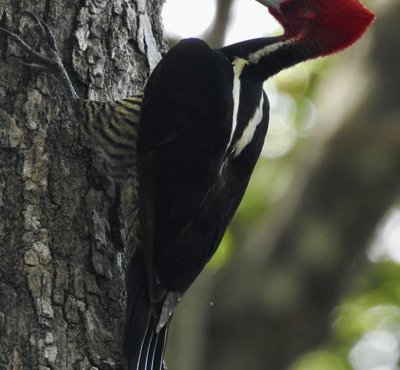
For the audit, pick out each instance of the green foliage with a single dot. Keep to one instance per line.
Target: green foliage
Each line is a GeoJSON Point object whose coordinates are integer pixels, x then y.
{"type": "Point", "coordinates": [320, 360]}
{"type": "Point", "coordinates": [223, 253]}
{"type": "Point", "coordinates": [375, 302]}
{"type": "Point", "coordinates": [375, 306]}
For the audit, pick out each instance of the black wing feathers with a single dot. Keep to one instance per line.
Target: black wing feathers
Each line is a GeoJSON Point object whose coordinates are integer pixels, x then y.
{"type": "Point", "coordinates": [182, 144]}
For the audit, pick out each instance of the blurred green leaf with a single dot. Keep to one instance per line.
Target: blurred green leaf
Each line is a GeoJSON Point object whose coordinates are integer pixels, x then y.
{"type": "Point", "coordinates": [223, 253]}
{"type": "Point", "coordinates": [321, 360]}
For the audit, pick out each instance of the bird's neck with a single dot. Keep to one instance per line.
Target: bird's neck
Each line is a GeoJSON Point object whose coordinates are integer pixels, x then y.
{"type": "Point", "coordinates": [270, 55]}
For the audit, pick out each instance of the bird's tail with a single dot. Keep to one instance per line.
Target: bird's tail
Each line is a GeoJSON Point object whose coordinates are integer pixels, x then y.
{"type": "Point", "coordinates": [143, 345]}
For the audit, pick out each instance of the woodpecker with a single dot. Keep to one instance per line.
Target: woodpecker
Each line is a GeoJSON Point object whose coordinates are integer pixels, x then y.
{"type": "Point", "coordinates": [192, 139]}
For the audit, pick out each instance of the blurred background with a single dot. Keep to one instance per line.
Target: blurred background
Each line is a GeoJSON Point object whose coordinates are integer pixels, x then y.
{"type": "Point", "coordinates": [308, 275]}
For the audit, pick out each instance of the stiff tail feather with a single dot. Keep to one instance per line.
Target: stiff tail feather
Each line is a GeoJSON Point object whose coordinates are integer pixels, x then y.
{"type": "Point", "coordinates": [143, 345]}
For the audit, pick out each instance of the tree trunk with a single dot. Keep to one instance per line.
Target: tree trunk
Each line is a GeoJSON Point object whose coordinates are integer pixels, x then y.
{"type": "Point", "coordinates": [61, 251]}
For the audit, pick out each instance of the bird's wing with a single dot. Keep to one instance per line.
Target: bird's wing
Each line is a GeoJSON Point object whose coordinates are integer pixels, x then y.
{"type": "Point", "coordinates": [184, 132]}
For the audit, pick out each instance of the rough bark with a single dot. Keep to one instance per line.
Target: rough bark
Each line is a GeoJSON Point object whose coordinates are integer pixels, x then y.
{"type": "Point", "coordinates": [275, 300]}
{"type": "Point", "coordinates": [61, 252]}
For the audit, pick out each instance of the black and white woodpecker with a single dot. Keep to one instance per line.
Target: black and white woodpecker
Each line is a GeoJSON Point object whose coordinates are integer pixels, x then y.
{"type": "Point", "coordinates": [192, 139]}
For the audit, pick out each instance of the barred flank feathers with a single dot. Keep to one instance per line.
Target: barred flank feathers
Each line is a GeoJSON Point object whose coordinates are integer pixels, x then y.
{"type": "Point", "coordinates": [112, 128]}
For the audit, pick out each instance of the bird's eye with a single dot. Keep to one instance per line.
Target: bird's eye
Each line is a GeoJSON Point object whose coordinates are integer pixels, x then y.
{"type": "Point", "coordinates": [307, 13]}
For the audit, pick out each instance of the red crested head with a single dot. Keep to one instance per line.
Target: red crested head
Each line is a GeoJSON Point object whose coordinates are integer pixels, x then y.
{"type": "Point", "coordinates": [328, 25]}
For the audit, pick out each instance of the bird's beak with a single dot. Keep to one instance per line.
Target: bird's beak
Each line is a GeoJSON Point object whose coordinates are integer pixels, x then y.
{"type": "Point", "coordinates": [271, 3]}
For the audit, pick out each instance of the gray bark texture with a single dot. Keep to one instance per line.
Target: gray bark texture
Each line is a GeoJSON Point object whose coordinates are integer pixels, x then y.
{"type": "Point", "coordinates": [61, 251]}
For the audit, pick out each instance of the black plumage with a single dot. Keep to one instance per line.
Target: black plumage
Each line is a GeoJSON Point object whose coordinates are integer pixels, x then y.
{"type": "Point", "coordinates": [190, 179]}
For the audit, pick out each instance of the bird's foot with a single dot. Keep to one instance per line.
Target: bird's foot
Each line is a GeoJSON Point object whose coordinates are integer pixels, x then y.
{"type": "Point", "coordinates": [50, 61]}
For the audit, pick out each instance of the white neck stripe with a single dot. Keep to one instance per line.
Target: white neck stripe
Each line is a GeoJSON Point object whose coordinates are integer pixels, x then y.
{"type": "Point", "coordinates": [267, 50]}
{"type": "Point", "coordinates": [250, 129]}
{"type": "Point", "coordinates": [238, 65]}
